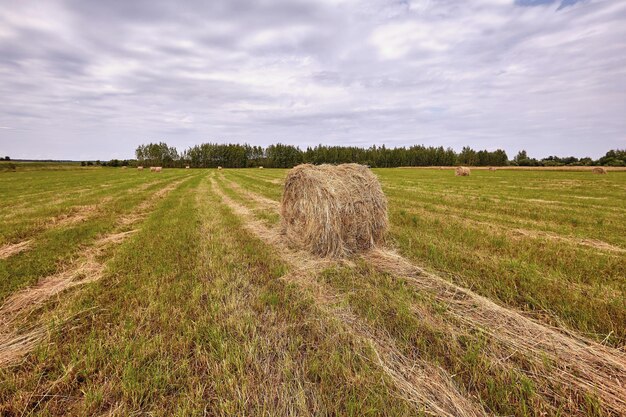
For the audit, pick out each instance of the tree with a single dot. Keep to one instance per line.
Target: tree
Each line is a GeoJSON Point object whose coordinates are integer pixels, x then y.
{"type": "Point", "coordinates": [157, 154]}
{"type": "Point", "coordinates": [468, 156]}
{"type": "Point", "coordinates": [614, 157]}
{"type": "Point", "coordinates": [284, 156]}
{"type": "Point", "coordinates": [6, 158]}
{"type": "Point", "coordinates": [522, 159]}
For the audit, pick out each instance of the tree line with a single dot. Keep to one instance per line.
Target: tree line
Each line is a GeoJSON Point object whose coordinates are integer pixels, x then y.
{"type": "Point", "coordinates": [212, 155]}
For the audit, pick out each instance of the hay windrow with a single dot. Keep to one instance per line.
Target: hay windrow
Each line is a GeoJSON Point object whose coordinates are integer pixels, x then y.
{"type": "Point", "coordinates": [9, 250]}
{"type": "Point", "coordinates": [581, 363]}
{"type": "Point", "coordinates": [333, 211]}
{"type": "Point", "coordinates": [418, 381]}
{"type": "Point", "coordinates": [15, 341]}
{"type": "Point", "coordinates": [583, 366]}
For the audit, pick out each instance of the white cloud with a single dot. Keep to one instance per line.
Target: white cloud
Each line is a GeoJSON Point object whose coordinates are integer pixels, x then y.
{"type": "Point", "coordinates": [102, 77]}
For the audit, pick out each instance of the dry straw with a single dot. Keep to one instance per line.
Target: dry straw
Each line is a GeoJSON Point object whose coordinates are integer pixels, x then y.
{"type": "Point", "coordinates": [140, 168]}
{"type": "Point", "coordinates": [599, 170]}
{"type": "Point", "coordinates": [462, 172]}
{"type": "Point", "coordinates": [333, 211]}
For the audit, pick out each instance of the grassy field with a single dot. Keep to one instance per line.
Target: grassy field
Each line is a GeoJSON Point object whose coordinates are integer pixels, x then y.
{"type": "Point", "coordinates": [126, 292]}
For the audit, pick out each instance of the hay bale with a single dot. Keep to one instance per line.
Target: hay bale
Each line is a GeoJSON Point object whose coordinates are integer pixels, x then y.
{"type": "Point", "coordinates": [260, 167]}
{"type": "Point", "coordinates": [599, 170]}
{"type": "Point", "coordinates": [140, 168]}
{"type": "Point", "coordinates": [152, 169]}
{"type": "Point", "coordinates": [219, 167]}
{"type": "Point", "coordinates": [492, 168]}
{"type": "Point", "coordinates": [333, 211]}
{"type": "Point", "coordinates": [462, 171]}
{"type": "Point", "coordinates": [187, 167]}
{"type": "Point", "coordinates": [158, 169]}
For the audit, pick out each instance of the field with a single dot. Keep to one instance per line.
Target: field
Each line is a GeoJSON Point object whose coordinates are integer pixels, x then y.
{"type": "Point", "coordinates": [125, 292]}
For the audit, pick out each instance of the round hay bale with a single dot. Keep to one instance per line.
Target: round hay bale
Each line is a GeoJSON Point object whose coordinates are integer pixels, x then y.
{"type": "Point", "coordinates": [187, 167]}
{"type": "Point", "coordinates": [260, 167]}
{"type": "Point", "coordinates": [333, 211]}
{"type": "Point", "coordinates": [140, 168]}
{"type": "Point", "coordinates": [158, 169]}
{"type": "Point", "coordinates": [152, 169]}
{"type": "Point", "coordinates": [462, 172]}
{"type": "Point", "coordinates": [599, 170]}
{"type": "Point", "coordinates": [219, 167]}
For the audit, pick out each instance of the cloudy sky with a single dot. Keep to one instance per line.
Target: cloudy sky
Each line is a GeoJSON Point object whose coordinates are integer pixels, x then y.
{"type": "Point", "coordinates": [93, 79]}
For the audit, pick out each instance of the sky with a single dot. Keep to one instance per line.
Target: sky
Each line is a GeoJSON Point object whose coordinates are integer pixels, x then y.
{"type": "Point", "coordinates": [92, 79]}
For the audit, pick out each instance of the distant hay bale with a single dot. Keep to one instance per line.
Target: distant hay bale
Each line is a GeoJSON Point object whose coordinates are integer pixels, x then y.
{"type": "Point", "coordinates": [140, 168]}
{"type": "Point", "coordinates": [462, 171]}
{"type": "Point", "coordinates": [124, 167]}
{"type": "Point", "coordinates": [158, 169]}
{"type": "Point", "coordinates": [260, 167]}
{"type": "Point", "coordinates": [333, 211]}
{"type": "Point", "coordinates": [492, 168]}
{"type": "Point", "coordinates": [599, 170]}
{"type": "Point", "coordinates": [187, 167]}
{"type": "Point", "coordinates": [219, 167]}
{"type": "Point", "coordinates": [152, 169]}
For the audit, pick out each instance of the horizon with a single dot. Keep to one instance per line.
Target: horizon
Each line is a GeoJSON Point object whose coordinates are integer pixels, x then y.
{"type": "Point", "coordinates": [134, 158]}
{"type": "Point", "coordinates": [92, 80]}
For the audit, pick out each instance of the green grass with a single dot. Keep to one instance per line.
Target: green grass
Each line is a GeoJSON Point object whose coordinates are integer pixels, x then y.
{"type": "Point", "coordinates": [192, 317]}
{"type": "Point", "coordinates": [524, 238]}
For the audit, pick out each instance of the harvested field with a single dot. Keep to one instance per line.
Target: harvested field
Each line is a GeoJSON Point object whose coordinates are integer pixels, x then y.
{"type": "Point", "coordinates": [499, 294]}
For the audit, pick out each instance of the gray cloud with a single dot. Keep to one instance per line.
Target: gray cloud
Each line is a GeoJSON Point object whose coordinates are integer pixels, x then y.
{"type": "Point", "coordinates": [92, 79]}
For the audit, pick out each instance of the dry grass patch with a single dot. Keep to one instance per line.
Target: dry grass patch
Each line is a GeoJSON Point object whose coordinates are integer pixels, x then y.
{"type": "Point", "coordinates": [13, 249]}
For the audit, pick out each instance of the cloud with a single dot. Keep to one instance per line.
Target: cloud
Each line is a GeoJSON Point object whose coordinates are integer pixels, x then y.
{"type": "Point", "coordinates": [91, 79]}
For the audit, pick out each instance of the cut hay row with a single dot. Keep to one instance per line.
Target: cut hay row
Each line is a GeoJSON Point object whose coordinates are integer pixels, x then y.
{"type": "Point", "coordinates": [264, 201]}
{"type": "Point", "coordinates": [581, 364]}
{"type": "Point", "coordinates": [586, 365]}
{"type": "Point", "coordinates": [419, 382]}
{"type": "Point", "coordinates": [577, 168]}
{"type": "Point", "coordinates": [11, 249]}
{"type": "Point", "coordinates": [502, 222]}
{"type": "Point", "coordinates": [65, 195]}
{"type": "Point", "coordinates": [515, 232]}
{"type": "Point", "coordinates": [14, 346]}
{"type": "Point", "coordinates": [74, 215]}
{"type": "Point", "coordinates": [333, 211]}
{"type": "Point", "coordinates": [15, 341]}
